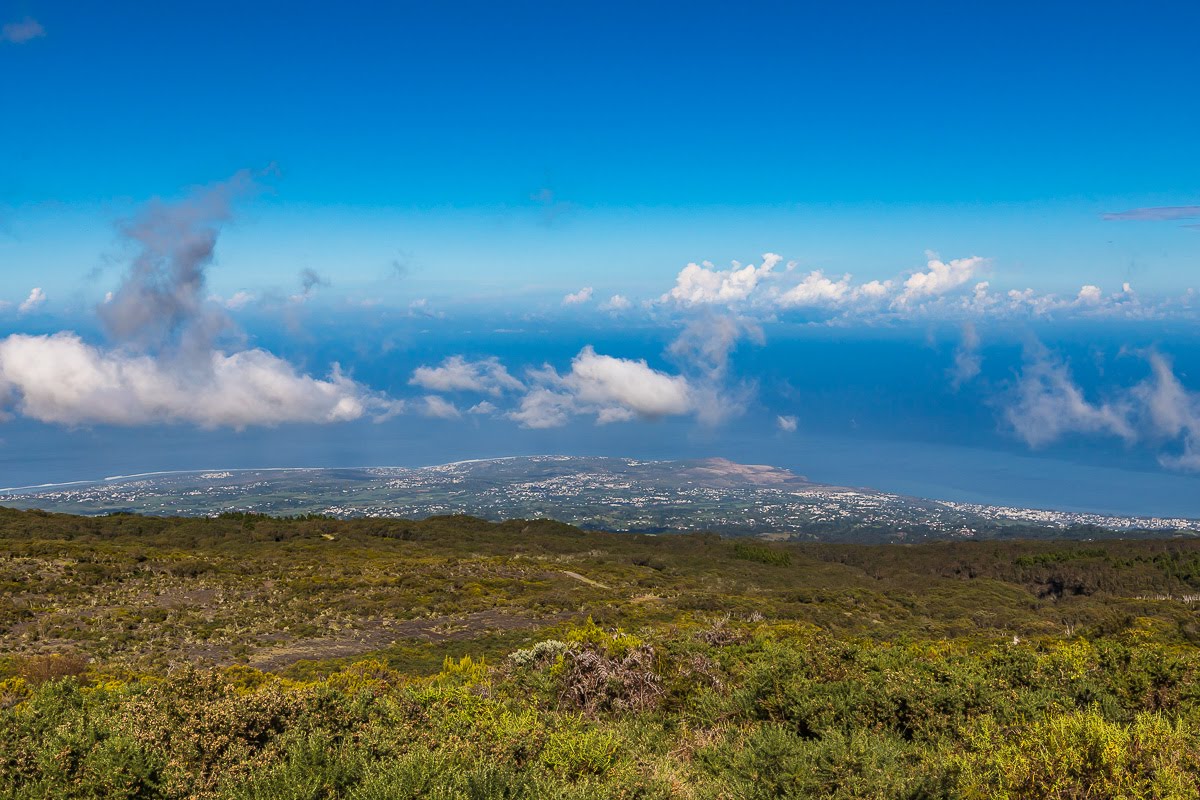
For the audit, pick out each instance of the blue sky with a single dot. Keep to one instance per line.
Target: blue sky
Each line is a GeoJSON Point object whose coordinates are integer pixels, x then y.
{"type": "Point", "coordinates": [448, 175]}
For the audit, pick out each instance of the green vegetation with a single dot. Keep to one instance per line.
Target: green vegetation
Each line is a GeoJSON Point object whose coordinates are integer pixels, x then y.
{"type": "Point", "coordinates": [251, 657]}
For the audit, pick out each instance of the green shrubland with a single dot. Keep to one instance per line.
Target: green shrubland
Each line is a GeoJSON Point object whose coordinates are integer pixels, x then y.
{"type": "Point", "coordinates": [156, 658]}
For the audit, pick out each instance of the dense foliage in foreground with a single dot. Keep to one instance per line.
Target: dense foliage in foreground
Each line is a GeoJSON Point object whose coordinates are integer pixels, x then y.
{"type": "Point", "coordinates": [258, 658]}
{"type": "Point", "coordinates": [734, 709]}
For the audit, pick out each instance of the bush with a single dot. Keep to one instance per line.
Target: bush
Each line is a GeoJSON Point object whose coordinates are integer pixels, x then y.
{"type": "Point", "coordinates": [763, 554]}
{"type": "Point", "coordinates": [772, 761]}
{"type": "Point", "coordinates": [579, 754]}
{"type": "Point", "coordinates": [39, 669]}
{"type": "Point", "coordinates": [1082, 755]}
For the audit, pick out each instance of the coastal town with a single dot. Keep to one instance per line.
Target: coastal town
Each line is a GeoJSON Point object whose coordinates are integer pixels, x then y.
{"type": "Point", "coordinates": [595, 493]}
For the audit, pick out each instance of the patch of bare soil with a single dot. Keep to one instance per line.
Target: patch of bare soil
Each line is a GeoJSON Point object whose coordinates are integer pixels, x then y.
{"type": "Point", "coordinates": [377, 635]}
{"type": "Point", "coordinates": [583, 579]}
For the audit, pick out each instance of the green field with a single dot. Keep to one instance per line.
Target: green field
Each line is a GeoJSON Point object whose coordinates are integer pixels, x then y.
{"type": "Point", "coordinates": [247, 656]}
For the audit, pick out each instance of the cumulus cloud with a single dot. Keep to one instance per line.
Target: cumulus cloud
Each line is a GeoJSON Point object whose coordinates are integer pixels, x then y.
{"type": "Point", "coordinates": [457, 374]}
{"type": "Point", "coordinates": [939, 278]}
{"type": "Point", "coordinates": [949, 290]}
{"type": "Point", "coordinates": [36, 298]}
{"type": "Point", "coordinates": [61, 379]}
{"type": "Point", "coordinates": [1158, 213]}
{"type": "Point", "coordinates": [577, 298]}
{"type": "Point", "coordinates": [1048, 405]}
{"type": "Point", "coordinates": [617, 302]}
{"type": "Point", "coordinates": [787, 424]}
{"type": "Point", "coordinates": [762, 287]}
{"type": "Point", "coordinates": [967, 361]}
{"type": "Point", "coordinates": [874, 290]}
{"type": "Point", "coordinates": [237, 300]}
{"type": "Point", "coordinates": [1090, 295]}
{"type": "Point", "coordinates": [702, 284]}
{"type": "Point", "coordinates": [816, 289]}
{"type": "Point", "coordinates": [544, 408]}
{"type": "Point", "coordinates": [609, 382]}
{"type": "Point", "coordinates": [23, 31]}
{"type": "Point", "coordinates": [164, 365]}
{"type": "Point", "coordinates": [612, 389]}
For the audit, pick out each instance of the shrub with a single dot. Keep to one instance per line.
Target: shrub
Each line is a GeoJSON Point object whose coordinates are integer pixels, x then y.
{"type": "Point", "coordinates": [594, 681]}
{"type": "Point", "coordinates": [772, 761]}
{"type": "Point", "coordinates": [578, 754]}
{"type": "Point", "coordinates": [763, 554]}
{"type": "Point", "coordinates": [1081, 755]}
{"type": "Point", "coordinates": [39, 669]}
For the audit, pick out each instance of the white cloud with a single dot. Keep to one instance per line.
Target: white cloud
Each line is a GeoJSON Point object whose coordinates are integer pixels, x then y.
{"type": "Point", "coordinates": [1090, 296]}
{"type": "Point", "coordinates": [433, 405]}
{"type": "Point", "coordinates": [816, 289]}
{"type": "Point", "coordinates": [703, 351]}
{"type": "Point", "coordinates": [702, 284]}
{"type": "Point", "coordinates": [617, 302]}
{"type": "Point", "coordinates": [967, 361]}
{"type": "Point", "coordinates": [61, 379]}
{"type": "Point", "coordinates": [706, 342]}
{"type": "Point", "coordinates": [1171, 411]}
{"type": "Point", "coordinates": [457, 374]}
{"type": "Point", "coordinates": [787, 424]}
{"type": "Point", "coordinates": [940, 290]}
{"type": "Point", "coordinates": [1048, 405]}
{"type": "Point", "coordinates": [939, 278]}
{"type": "Point", "coordinates": [611, 389]}
{"type": "Point", "coordinates": [167, 367]}
{"type": "Point", "coordinates": [577, 298]}
{"type": "Point", "coordinates": [36, 298]}
{"type": "Point", "coordinates": [763, 288]}
{"type": "Point", "coordinates": [543, 408]}
{"type": "Point", "coordinates": [483, 407]}
{"type": "Point", "coordinates": [1171, 408]}
{"type": "Point", "coordinates": [630, 384]}
{"type": "Point", "coordinates": [1160, 409]}
{"type": "Point", "coordinates": [238, 300]}
{"type": "Point", "coordinates": [421, 308]}
{"type": "Point", "coordinates": [874, 290]}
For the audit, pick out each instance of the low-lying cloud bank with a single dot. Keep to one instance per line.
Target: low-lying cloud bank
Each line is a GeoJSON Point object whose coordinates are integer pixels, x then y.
{"type": "Point", "coordinates": [606, 388]}
{"type": "Point", "coordinates": [953, 289]}
{"type": "Point", "coordinates": [61, 379]}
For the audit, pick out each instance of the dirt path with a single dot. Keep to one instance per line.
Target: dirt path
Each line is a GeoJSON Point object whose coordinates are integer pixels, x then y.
{"type": "Point", "coordinates": [582, 579]}
{"type": "Point", "coordinates": [376, 637]}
